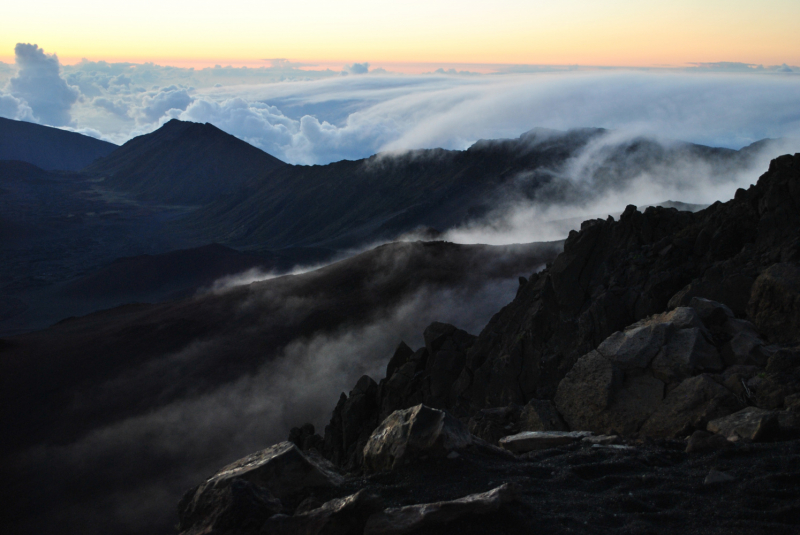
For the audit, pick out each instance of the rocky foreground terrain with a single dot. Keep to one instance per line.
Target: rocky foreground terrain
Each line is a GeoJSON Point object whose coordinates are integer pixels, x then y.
{"type": "Point", "coordinates": [647, 381]}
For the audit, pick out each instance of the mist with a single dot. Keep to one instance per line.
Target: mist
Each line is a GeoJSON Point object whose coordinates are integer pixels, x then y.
{"type": "Point", "coordinates": [124, 474]}
{"type": "Point", "coordinates": [596, 192]}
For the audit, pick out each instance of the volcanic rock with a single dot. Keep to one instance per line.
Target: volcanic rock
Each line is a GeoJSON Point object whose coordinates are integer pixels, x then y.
{"type": "Point", "coordinates": [411, 433]}
{"type": "Point", "coordinates": [702, 441]}
{"type": "Point", "coordinates": [540, 415]}
{"type": "Point", "coordinates": [749, 424]}
{"type": "Point", "coordinates": [253, 483]}
{"type": "Point", "coordinates": [397, 521]}
{"type": "Point", "coordinates": [340, 516]}
{"type": "Point", "coordinates": [691, 405]}
{"type": "Point", "coordinates": [775, 302]}
{"type": "Point", "coordinates": [540, 440]}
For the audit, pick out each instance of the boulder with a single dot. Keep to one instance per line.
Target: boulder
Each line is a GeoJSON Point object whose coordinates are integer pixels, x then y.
{"type": "Point", "coordinates": [634, 347]}
{"type": "Point", "coordinates": [691, 405]}
{"type": "Point", "coordinates": [750, 424]}
{"type": "Point", "coordinates": [632, 405]}
{"type": "Point", "coordinates": [238, 505]}
{"type": "Point", "coordinates": [400, 520]}
{"type": "Point", "coordinates": [775, 302]}
{"type": "Point", "coordinates": [340, 516]}
{"type": "Point", "coordinates": [710, 312]}
{"type": "Point", "coordinates": [410, 433]}
{"type": "Point", "coordinates": [687, 352]}
{"type": "Point", "coordinates": [744, 348]}
{"type": "Point", "coordinates": [540, 440]}
{"type": "Point", "coordinates": [703, 441]}
{"type": "Point", "coordinates": [255, 481]}
{"type": "Point", "coordinates": [586, 390]}
{"type": "Point", "coordinates": [783, 360]}
{"type": "Point", "coordinates": [540, 415]}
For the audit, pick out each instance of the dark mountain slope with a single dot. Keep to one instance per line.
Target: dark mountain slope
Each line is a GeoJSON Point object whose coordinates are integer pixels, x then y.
{"type": "Point", "coordinates": [667, 342]}
{"type": "Point", "coordinates": [183, 163]}
{"type": "Point", "coordinates": [350, 202]}
{"type": "Point", "coordinates": [49, 148]}
{"type": "Point", "coordinates": [66, 387]}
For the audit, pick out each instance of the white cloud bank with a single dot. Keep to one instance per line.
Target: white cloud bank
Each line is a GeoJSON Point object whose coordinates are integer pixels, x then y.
{"type": "Point", "coordinates": [348, 117]}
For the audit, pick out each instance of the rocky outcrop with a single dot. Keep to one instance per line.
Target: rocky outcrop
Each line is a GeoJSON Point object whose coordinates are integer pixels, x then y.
{"type": "Point", "coordinates": [775, 302]}
{"type": "Point", "coordinates": [664, 324]}
{"type": "Point", "coordinates": [412, 433]}
{"type": "Point", "coordinates": [249, 489]}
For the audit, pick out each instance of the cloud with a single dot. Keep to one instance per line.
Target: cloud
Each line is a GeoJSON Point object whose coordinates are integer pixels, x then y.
{"type": "Point", "coordinates": [14, 108]}
{"type": "Point", "coordinates": [351, 117]}
{"type": "Point", "coordinates": [116, 107]}
{"type": "Point", "coordinates": [357, 68]}
{"type": "Point", "coordinates": [612, 171]}
{"type": "Point", "coordinates": [38, 81]}
{"type": "Point", "coordinates": [158, 103]}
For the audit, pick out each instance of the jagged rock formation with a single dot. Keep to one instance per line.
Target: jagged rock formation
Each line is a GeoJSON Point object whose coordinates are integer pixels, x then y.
{"type": "Point", "coordinates": [664, 325]}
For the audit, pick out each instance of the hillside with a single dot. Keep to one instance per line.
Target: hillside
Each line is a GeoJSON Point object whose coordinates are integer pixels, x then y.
{"type": "Point", "coordinates": [183, 163]}
{"type": "Point", "coordinates": [49, 148]}
{"type": "Point", "coordinates": [646, 381]}
{"type": "Point", "coordinates": [243, 349]}
{"type": "Point", "coordinates": [350, 202]}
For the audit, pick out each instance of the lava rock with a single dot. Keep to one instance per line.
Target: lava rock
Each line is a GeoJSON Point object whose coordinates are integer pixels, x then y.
{"type": "Point", "coordinates": [400, 520]}
{"type": "Point", "coordinates": [541, 415]}
{"type": "Point", "coordinates": [411, 433]}
{"type": "Point", "coordinates": [540, 440]}
{"type": "Point", "coordinates": [703, 441]}
{"type": "Point", "coordinates": [750, 424]}
{"type": "Point", "coordinates": [775, 302]}
{"type": "Point", "coordinates": [240, 505]}
{"type": "Point", "coordinates": [241, 489]}
{"type": "Point", "coordinates": [691, 405]}
{"type": "Point", "coordinates": [340, 516]}
{"type": "Point", "coordinates": [586, 390]}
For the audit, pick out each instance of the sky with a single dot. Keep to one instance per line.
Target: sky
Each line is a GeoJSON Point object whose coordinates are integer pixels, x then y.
{"type": "Point", "coordinates": [314, 82]}
{"type": "Point", "coordinates": [239, 32]}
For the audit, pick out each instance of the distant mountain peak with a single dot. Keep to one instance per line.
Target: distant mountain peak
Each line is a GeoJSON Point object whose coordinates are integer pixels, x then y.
{"type": "Point", "coordinates": [184, 163]}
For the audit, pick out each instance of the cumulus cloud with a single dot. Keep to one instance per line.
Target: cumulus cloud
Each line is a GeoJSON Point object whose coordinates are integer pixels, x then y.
{"type": "Point", "coordinates": [158, 103]}
{"type": "Point", "coordinates": [357, 68]}
{"type": "Point", "coordinates": [14, 108]}
{"type": "Point", "coordinates": [38, 81]}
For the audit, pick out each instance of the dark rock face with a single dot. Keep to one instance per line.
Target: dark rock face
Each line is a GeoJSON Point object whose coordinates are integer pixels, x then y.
{"type": "Point", "coordinates": [612, 274]}
{"type": "Point", "coordinates": [775, 302]}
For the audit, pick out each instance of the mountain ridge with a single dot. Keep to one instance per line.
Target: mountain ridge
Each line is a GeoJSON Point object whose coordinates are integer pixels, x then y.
{"type": "Point", "coordinates": [49, 148]}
